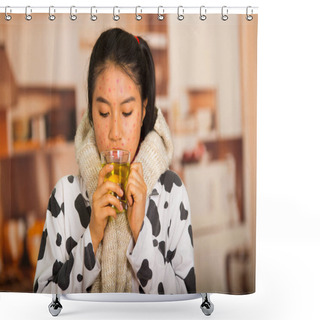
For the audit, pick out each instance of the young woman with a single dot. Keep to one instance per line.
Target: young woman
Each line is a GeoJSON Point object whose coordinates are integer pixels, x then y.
{"type": "Point", "coordinates": [148, 248]}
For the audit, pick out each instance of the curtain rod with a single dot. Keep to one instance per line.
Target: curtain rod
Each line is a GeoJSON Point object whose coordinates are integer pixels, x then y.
{"type": "Point", "coordinates": [127, 9]}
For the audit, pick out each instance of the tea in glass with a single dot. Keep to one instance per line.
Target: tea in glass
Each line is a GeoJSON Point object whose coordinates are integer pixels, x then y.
{"type": "Point", "coordinates": [120, 160]}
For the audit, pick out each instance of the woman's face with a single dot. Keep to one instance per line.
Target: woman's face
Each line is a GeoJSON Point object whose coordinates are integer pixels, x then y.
{"type": "Point", "coordinates": [117, 111]}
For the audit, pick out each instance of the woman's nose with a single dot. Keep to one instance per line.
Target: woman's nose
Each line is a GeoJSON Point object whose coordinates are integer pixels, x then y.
{"type": "Point", "coordinates": [115, 132]}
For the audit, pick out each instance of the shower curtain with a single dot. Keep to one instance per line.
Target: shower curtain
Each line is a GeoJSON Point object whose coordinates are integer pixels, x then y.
{"type": "Point", "coordinates": [206, 90]}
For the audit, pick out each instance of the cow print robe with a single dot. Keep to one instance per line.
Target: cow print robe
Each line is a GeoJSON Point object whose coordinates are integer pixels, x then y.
{"type": "Point", "coordinates": [162, 259]}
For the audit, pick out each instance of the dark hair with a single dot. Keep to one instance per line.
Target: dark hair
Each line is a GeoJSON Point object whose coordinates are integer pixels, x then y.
{"type": "Point", "coordinates": [134, 57]}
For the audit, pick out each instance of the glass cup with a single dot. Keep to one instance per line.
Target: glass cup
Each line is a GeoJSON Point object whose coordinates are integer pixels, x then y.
{"type": "Point", "coordinates": [120, 160]}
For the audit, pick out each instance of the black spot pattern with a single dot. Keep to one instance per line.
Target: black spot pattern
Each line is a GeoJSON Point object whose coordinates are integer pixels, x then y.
{"type": "Point", "coordinates": [166, 205]}
{"type": "Point", "coordinates": [190, 234]}
{"type": "Point", "coordinates": [55, 270]}
{"type": "Point", "coordinates": [169, 228]}
{"type": "Point", "coordinates": [70, 244]}
{"type": "Point", "coordinates": [145, 273]}
{"type": "Point", "coordinates": [141, 290]}
{"type": "Point", "coordinates": [62, 207]}
{"type": "Point", "coordinates": [190, 281]}
{"type": "Point", "coordinates": [71, 179]}
{"type": "Point", "coordinates": [36, 286]}
{"type": "Point", "coordinates": [43, 244]}
{"type": "Point", "coordinates": [84, 213]}
{"type": "Point", "coordinates": [183, 212]}
{"type": "Point", "coordinates": [153, 216]}
{"type": "Point", "coordinates": [162, 249]}
{"type": "Point", "coordinates": [154, 192]}
{"type": "Point", "coordinates": [89, 257]}
{"type": "Point", "coordinates": [64, 273]}
{"type": "Point", "coordinates": [79, 277]}
{"type": "Point", "coordinates": [168, 179]}
{"type": "Point", "coordinates": [160, 288]}
{"type": "Point", "coordinates": [89, 289]}
{"type": "Point", "coordinates": [53, 205]}
{"type": "Point", "coordinates": [155, 242]}
{"type": "Point", "coordinates": [170, 255]}
{"type": "Point", "coordinates": [58, 240]}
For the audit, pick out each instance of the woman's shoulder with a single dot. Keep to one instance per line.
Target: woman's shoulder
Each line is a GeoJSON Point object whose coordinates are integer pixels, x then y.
{"type": "Point", "coordinates": [71, 186]}
{"type": "Point", "coordinates": [170, 199]}
{"type": "Point", "coordinates": [70, 198]}
{"type": "Point", "coordinates": [170, 185]}
{"type": "Point", "coordinates": [170, 181]}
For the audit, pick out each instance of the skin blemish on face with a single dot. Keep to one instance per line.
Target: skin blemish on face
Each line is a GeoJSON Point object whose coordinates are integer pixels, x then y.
{"type": "Point", "coordinates": [109, 89]}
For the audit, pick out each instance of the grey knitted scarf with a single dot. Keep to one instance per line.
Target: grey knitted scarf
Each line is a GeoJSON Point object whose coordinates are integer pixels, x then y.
{"type": "Point", "coordinates": [155, 154]}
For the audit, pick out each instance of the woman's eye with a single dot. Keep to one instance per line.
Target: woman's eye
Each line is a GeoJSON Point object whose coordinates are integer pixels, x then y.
{"type": "Point", "coordinates": [104, 115]}
{"type": "Point", "coordinates": [127, 114]}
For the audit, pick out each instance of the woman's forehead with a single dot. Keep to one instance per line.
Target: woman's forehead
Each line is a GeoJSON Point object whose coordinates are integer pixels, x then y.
{"type": "Point", "coordinates": [114, 76]}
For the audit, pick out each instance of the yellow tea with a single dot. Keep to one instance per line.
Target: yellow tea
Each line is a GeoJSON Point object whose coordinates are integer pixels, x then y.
{"type": "Point", "coordinates": [119, 175]}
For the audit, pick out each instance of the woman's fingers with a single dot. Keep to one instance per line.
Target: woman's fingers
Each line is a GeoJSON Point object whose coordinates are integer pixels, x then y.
{"type": "Point", "coordinates": [135, 192]}
{"type": "Point", "coordinates": [105, 188]}
{"type": "Point", "coordinates": [103, 172]}
{"type": "Point", "coordinates": [137, 167]}
{"type": "Point", "coordinates": [136, 187]}
{"type": "Point", "coordinates": [109, 211]}
{"type": "Point", "coordinates": [110, 200]}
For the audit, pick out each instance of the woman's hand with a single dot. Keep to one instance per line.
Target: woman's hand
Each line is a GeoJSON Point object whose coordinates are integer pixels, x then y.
{"type": "Point", "coordinates": [136, 193]}
{"type": "Point", "coordinates": [102, 201]}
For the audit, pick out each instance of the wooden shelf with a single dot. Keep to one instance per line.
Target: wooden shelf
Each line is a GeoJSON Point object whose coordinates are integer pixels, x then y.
{"type": "Point", "coordinates": [30, 148]}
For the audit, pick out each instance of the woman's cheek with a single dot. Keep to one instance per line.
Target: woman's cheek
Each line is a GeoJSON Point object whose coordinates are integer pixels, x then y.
{"type": "Point", "coordinates": [132, 135]}
{"type": "Point", "coordinates": [101, 136]}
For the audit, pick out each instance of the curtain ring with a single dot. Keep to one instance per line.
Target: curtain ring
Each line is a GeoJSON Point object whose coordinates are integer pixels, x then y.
{"type": "Point", "coordinates": [224, 16]}
{"type": "Point", "coordinates": [138, 16]}
{"type": "Point", "coordinates": [160, 16]}
{"type": "Point", "coordinates": [93, 17]}
{"type": "Point", "coordinates": [7, 16]}
{"type": "Point", "coordinates": [52, 17]}
{"type": "Point", "coordinates": [180, 16]}
{"type": "Point", "coordinates": [28, 16]}
{"type": "Point", "coordinates": [203, 15]}
{"type": "Point", "coordinates": [249, 17]}
{"type": "Point", "coordinates": [73, 17]}
{"type": "Point", "coordinates": [116, 17]}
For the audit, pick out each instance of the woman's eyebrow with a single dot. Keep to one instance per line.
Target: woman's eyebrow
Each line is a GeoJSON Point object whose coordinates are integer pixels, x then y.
{"type": "Point", "coordinates": [103, 100]}
{"type": "Point", "coordinates": [128, 100]}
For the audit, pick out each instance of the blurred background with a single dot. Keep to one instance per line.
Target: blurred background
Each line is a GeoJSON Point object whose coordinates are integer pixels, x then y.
{"type": "Point", "coordinates": [206, 88]}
